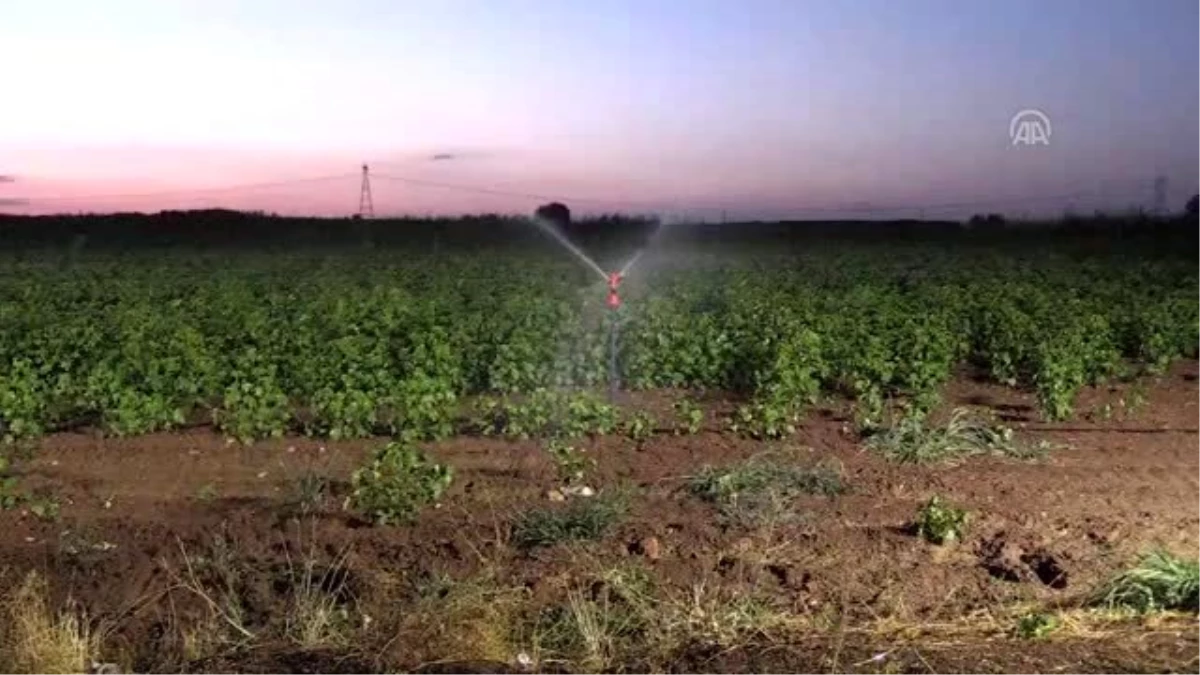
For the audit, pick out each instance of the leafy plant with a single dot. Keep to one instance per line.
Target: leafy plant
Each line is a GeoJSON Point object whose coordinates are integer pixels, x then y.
{"type": "Point", "coordinates": [640, 427]}
{"type": "Point", "coordinates": [546, 413]}
{"type": "Point", "coordinates": [43, 507]}
{"type": "Point", "coordinates": [764, 420]}
{"type": "Point", "coordinates": [397, 483]}
{"type": "Point", "coordinates": [10, 494]}
{"type": "Point", "coordinates": [571, 461]}
{"type": "Point", "coordinates": [939, 522]}
{"type": "Point", "coordinates": [690, 416]}
{"type": "Point", "coordinates": [1036, 625]}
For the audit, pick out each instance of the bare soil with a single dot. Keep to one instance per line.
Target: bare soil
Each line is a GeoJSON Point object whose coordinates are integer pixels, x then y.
{"type": "Point", "coordinates": [1043, 533]}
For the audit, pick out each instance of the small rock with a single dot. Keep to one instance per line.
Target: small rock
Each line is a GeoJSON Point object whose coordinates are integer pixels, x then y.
{"type": "Point", "coordinates": [578, 491]}
{"type": "Point", "coordinates": [262, 474]}
{"type": "Point", "coordinates": [556, 496]}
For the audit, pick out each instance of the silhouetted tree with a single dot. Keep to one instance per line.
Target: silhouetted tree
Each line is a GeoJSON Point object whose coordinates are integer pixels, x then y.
{"type": "Point", "coordinates": [554, 212]}
{"type": "Point", "coordinates": [1193, 206]}
{"type": "Point", "coordinates": [989, 219]}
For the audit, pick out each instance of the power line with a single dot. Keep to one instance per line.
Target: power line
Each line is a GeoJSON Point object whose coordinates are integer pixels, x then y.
{"type": "Point", "coordinates": [366, 204]}
{"type": "Point", "coordinates": [190, 191]}
{"type": "Point", "coordinates": [854, 208]}
{"type": "Point", "coordinates": [420, 182]}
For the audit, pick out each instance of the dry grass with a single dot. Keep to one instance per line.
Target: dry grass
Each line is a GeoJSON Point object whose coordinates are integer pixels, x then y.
{"type": "Point", "coordinates": [619, 618]}
{"type": "Point", "coordinates": [761, 491]}
{"type": "Point", "coordinates": [476, 620]}
{"type": "Point", "coordinates": [36, 639]}
{"type": "Point", "coordinates": [317, 615]}
{"type": "Point", "coordinates": [616, 617]}
{"type": "Point", "coordinates": [220, 596]}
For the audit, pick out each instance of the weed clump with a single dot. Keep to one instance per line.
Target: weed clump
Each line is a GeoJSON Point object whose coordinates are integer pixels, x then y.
{"type": "Point", "coordinates": [762, 489]}
{"type": "Point", "coordinates": [911, 440]}
{"type": "Point", "coordinates": [1036, 625]}
{"type": "Point", "coordinates": [584, 519]}
{"type": "Point", "coordinates": [1159, 582]}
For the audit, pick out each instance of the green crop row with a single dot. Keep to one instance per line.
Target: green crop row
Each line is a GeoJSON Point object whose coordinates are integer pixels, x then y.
{"type": "Point", "coordinates": [362, 344]}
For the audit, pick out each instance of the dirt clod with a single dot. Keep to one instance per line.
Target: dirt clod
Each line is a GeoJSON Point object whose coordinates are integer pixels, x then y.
{"type": "Point", "coordinates": [651, 548]}
{"type": "Point", "coordinates": [1008, 560]}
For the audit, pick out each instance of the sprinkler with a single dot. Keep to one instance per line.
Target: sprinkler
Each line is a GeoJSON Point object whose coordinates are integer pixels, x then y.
{"type": "Point", "coordinates": [614, 303]}
{"type": "Point", "coordinates": [614, 280]}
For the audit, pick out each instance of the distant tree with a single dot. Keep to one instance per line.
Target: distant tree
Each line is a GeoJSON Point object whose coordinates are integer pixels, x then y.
{"type": "Point", "coordinates": [554, 212]}
{"type": "Point", "coordinates": [989, 219]}
{"type": "Point", "coordinates": [1193, 206]}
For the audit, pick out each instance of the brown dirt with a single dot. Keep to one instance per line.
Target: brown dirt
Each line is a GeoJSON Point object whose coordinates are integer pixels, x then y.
{"type": "Point", "coordinates": [1045, 532]}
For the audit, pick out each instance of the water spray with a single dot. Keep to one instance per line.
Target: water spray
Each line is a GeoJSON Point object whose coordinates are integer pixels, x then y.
{"type": "Point", "coordinates": [613, 279]}
{"type": "Point", "coordinates": [566, 243]}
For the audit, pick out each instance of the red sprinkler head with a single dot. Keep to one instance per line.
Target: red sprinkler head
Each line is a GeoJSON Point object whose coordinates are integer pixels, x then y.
{"type": "Point", "coordinates": [614, 280]}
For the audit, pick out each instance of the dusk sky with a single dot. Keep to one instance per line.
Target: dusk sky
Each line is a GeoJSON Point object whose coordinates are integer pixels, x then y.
{"type": "Point", "coordinates": [779, 107]}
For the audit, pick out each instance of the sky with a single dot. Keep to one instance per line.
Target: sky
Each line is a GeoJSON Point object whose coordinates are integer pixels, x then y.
{"type": "Point", "coordinates": [751, 108]}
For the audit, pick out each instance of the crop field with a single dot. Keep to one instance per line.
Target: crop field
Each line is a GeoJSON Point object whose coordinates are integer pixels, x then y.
{"type": "Point", "coordinates": [847, 456]}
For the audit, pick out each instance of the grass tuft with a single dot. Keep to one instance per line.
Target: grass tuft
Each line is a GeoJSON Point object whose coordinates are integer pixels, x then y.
{"type": "Point", "coordinates": [37, 640]}
{"type": "Point", "coordinates": [761, 489]}
{"type": "Point", "coordinates": [468, 621]}
{"type": "Point", "coordinates": [579, 520]}
{"type": "Point", "coordinates": [317, 616]}
{"type": "Point", "coordinates": [1159, 582]}
{"type": "Point", "coordinates": [912, 440]}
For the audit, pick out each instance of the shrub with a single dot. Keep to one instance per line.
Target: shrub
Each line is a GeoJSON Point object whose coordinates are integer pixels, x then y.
{"type": "Point", "coordinates": [397, 483]}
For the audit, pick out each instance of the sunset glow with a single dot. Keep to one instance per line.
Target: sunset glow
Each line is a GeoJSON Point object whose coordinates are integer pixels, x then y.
{"type": "Point", "coordinates": [750, 106]}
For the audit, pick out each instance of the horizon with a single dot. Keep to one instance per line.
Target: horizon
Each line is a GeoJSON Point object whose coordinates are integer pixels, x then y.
{"type": "Point", "coordinates": [708, 110]}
